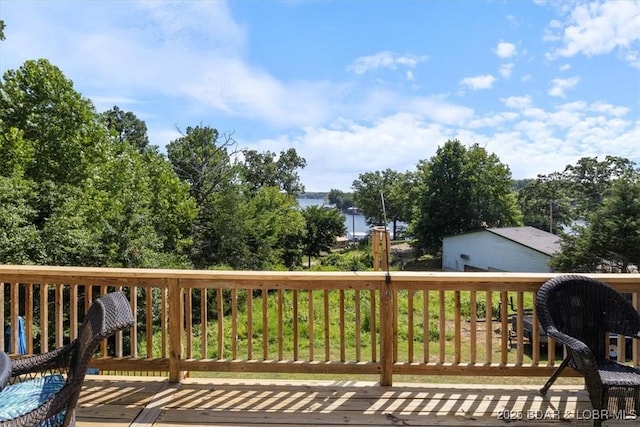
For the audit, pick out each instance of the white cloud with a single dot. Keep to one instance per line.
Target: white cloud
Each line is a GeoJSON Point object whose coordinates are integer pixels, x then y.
{"type": "Point", "coordinates": [384, 59]}
{"type": "Point", "coordinates": [478, 82]}
{"type": "Point", "coordinates": [530, 141]}
{"type": "Point", "coordinates": [633, 58]}
{"type": "Point", "coordinates": [598, 28]}
{"type": "Point", "coordinates": [338, 153]}
{"type": "Point", "coordinates": [505, 70]}
{"type": "Point", "coordinates": [517, 102]}
{"type": "Point", "coordinates": [341, 129]}
{"type": "Point", "coordinates": [505, 50]}
{"type": "Point", "coordinates": [238, 90]}
{"type": "Point", "coordinates": [438, 111]}
{"type": "Point", "coordinates": [103, 103]}
{"type": "Point", "coordinates": [560, 86]}
{"type": "Point", "coordinates": [606, 108]}
{"type": "Point", "coordinates": [497, 120]}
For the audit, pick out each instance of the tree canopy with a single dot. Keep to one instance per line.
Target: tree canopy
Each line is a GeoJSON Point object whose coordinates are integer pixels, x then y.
{"type": "Point", "coordinates": [61, 136]}
{"type": "Point", "coordinates": [125, 126]}
{"type": "Point", "coordinates": [323, 225]}
{"type": "Point", "coordinates": [341, 200]}
{"type": "Point", "coordinates": [608, 238]}
{"type": "Point", "coordinates": [268, 170]}
{"type": "Point", "coordinates": [78, 187]}
{"type": "Point", "coordinates": [393, 188]}
{"type": "Point", "coordinates": [462, 189]}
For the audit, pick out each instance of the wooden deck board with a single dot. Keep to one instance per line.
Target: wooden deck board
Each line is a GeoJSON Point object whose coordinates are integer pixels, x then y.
{"type": "Point", "coordinates": [152, 402]}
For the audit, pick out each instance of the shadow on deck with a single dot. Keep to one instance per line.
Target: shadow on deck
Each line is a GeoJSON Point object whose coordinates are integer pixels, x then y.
{"type": "Point", "coordinates": [149, 401]}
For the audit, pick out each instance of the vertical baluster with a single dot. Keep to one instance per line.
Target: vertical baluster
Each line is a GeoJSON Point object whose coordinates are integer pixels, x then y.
{"type": "Point", "coordinates": [204, 320]}
{"type": "Point", "coordinates": [311, 326]}
{"type": "Point", "coordinates": [473, 324]}
{"type": "Point", "coordinates": [358, 325]}
{"type": "Point", "coordinates": [373, 316]}
{"type": "Point", "coordinates": [265, 324]}
{"type": "Point", "coordinates": [489, 326]}
{"type": "Point", "coordinates": [327, 355]}
{"type": "Point", "coordinates": [250, 324]}
{"type": "Point", "coordinates": [220, 321]}
{"type": "Point", "coordinates": [280, 324]}
{"type": "Point", "coordinates": [426, 333]}
{"type": "Point", "coordinates": [343, 355]}
{"type": "Point", "coordinates": [410, 325]}
{"type": "Point", "coordinates": [457, 328]}
{"type": "Point", "coordinates": [296, 341]}
{"type": "Point", "coordinates": [442, 327]}
{"type": "Point", "coordinates": [188, 322]}
{"type": "Point", "coordinates": [234, 323]}
{"type": "Point", "coordinates": [149, 320]}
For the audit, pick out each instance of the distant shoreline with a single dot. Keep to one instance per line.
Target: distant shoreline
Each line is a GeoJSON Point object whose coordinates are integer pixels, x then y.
{"type": "Point", "coordinates": [314, 195]}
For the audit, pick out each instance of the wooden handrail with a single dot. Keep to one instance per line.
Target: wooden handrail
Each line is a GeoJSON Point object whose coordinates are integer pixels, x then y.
{"type": "Point", "coordinates": [409, 323]}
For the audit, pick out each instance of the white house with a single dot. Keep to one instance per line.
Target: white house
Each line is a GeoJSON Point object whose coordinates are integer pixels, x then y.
{"type": "Point", "coordinates": [519, 249]}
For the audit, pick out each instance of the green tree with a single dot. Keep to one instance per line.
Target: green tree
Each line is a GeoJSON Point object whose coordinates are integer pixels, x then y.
{"type": "Point", "coordinates": [17, 153]}
{"type": "Point", "coordinates": [461, 190]}
{"type": "Point", "coordinates": [265, 170]}
{"type": "Point", "coordinates": [132, 212]}
{"type": "Point", "coordinates": [400, 201]}
{"type": "Point", "coordinates": [60, 125]}
{"type": "Point", "coordinates": [2, 26]}
{"type": "Point", "coordinates": [50, 140]}
{"type": "Point", "coordinates": [610, 240]}
{"type": "Point", "coordinates": [546, 203]}
{"type": "Point", "coordinates": [590, 180]}
{"type": "Point", "coordinates": [20, 241]}
{"type": "Point", "coordinates": [323, 225]}
{"type": "Point", "coordinates": [367, 195]}
{"type": "Point", "coordinates": [341, 200]}
{"type": "Point", "coordinates": [275, 230]}
{"type": "Point", "coordinates": [72, 233]}
{"type": "Point", "coordinates": [219, 233]}
{"type": "Point", "coordinates": [394, 187]}
{"type": "Point", "coordinates": [556, 201]}
{"type": "Point", "coordinates": [125, 126]}
{"type": "Point", "coordinates": [202, 158]}
{"type": "Point", "coordinates": [173, 209]}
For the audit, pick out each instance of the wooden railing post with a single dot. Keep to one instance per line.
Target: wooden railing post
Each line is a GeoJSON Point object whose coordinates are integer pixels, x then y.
{"type": "Point", "coordinates": [380, 245]}
{"type": "Point", "coordinates": [175, 330]}
{"type": "Point", "coordinates": [386, 332]}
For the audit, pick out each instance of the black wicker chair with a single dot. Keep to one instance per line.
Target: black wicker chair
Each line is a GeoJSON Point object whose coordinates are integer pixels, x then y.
{"type": "Point", "coordinates": [45, 388]}
{"type": "Point", "coordinates": [580, 312]}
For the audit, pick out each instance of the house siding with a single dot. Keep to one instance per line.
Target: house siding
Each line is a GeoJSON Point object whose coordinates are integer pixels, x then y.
{"type": "Point", "coordinates": [487, 251]}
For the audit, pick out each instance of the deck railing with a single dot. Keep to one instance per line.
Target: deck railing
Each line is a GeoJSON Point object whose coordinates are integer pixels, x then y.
{"type": "Point", "coordinates": [397, 323]}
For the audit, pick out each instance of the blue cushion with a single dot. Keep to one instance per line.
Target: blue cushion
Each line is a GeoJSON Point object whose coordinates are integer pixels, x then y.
{"type": "Point", "coordinates": [21, 398]}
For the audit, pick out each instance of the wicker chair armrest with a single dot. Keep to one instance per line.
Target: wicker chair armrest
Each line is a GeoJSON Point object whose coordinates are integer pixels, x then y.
{"type": "Point", "coordinates": [57, 359]}
{"type": "Point", "coordinates": [582, 355]}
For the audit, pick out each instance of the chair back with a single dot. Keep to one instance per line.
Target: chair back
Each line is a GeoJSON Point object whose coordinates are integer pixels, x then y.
{"type": "Point", "coordinates": [107, 315]}
{"type": "Point", "coordinates": [586, 309]}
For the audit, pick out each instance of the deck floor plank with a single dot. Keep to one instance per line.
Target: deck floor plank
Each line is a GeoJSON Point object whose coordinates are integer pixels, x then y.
{"type": "Point", "coordinates": [152, 402]}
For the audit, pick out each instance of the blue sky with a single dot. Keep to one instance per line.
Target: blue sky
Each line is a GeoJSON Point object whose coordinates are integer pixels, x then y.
{"type": "Point", "coordinates": [355, 86]}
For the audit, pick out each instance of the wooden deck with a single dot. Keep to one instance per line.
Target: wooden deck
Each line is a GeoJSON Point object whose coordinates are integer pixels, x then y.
{"type": "Point", "coordinates": [149, 401]}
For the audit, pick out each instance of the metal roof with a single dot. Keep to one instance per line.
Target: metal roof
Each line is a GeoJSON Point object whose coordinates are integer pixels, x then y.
{"type": "Point", "coordinates": [531, 237]}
